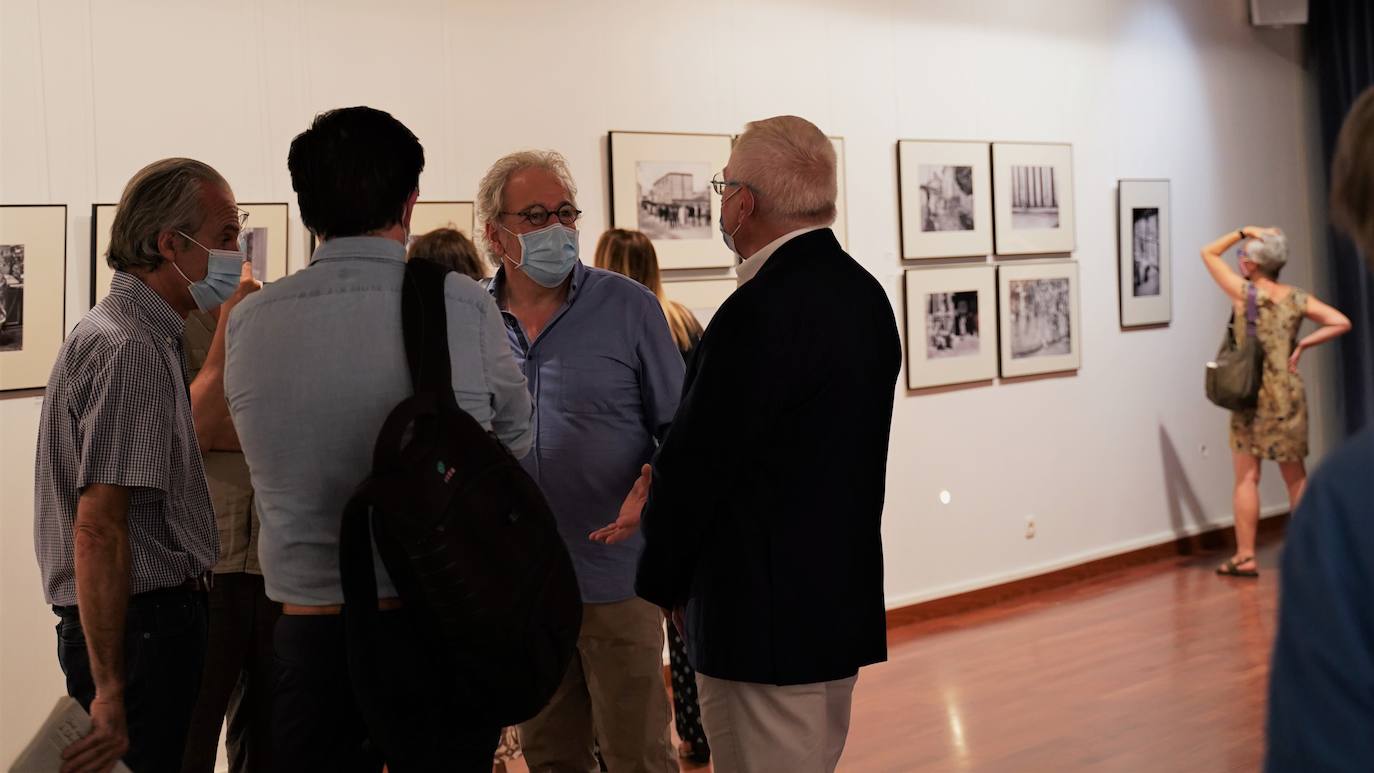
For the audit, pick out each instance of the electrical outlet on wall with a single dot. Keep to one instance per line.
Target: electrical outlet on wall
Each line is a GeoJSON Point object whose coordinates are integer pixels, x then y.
{"type": "Point", "coordinates": [1030, 526]}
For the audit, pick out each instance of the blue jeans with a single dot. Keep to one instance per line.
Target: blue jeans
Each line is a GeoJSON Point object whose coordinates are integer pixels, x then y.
{"type": "Point", "coordinates": [165, 636]}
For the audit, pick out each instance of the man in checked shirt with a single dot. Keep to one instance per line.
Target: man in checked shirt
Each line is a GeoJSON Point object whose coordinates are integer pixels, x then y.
{"type": "Point", "coordinates": [123, 526]}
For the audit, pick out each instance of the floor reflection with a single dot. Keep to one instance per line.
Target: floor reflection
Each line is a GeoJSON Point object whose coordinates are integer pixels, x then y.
{"type": "Point", "coordinates": [1160, 667]}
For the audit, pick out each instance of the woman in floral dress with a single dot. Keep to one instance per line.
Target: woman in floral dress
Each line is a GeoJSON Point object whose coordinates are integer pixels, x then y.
{"type": "Point", "coordinates": [1276, 429]}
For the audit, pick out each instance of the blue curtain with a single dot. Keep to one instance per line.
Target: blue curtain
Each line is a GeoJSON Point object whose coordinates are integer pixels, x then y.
{"type": "Point", "coordinates": [1342, 46]}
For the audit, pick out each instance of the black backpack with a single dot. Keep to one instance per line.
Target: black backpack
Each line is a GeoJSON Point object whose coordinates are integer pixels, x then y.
{"type": "Point", "coordinates": [468, 539]}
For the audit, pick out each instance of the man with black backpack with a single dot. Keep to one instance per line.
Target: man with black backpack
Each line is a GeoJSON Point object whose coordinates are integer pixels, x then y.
{"type": "Point", "coordinates": [314, 370]}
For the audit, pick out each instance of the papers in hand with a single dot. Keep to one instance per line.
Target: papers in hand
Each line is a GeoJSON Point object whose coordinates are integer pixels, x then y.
{"type": "Point", "coordinates": [65, 725]}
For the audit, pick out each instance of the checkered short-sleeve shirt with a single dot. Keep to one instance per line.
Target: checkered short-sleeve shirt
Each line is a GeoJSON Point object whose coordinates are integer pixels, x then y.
{"type": "Point", "coordinates": [117, 411]}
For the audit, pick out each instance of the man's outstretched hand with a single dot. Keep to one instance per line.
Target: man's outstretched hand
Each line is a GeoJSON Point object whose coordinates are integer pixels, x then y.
{"type": "Point", "coordinates": [627, 523]}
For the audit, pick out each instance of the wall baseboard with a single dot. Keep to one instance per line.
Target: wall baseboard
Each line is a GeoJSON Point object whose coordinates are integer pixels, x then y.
{"type": "Point", "coordinates": [1206, 540]}
{"type": "Point", "coordinates": [1163, 536]}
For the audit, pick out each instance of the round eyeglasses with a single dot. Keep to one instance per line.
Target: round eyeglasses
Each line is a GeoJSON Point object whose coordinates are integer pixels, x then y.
{"type": "Point", "coordinates": [538, 216]}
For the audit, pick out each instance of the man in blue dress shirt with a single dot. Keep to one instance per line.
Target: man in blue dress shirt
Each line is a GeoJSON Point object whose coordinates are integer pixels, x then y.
{"type": "Point", "coordinates": [605, 376]}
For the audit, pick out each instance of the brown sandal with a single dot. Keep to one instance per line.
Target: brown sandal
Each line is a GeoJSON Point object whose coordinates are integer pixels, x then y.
{"type": "Point", "coordinates": [1232, 568]}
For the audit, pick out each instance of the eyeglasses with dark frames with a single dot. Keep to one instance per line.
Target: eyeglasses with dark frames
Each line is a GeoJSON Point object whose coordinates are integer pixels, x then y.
{"type": "Point", "coordinates": [538, 216]}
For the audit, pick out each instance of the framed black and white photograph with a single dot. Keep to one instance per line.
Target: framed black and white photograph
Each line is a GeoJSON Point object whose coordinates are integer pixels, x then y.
{"type": "Point", "coordinates": [946, 199]}
{"type": "Point", "coordinates": [660, 184]}
{"type": "Point", "coordinates": [264, 239]}
{"type": "Point", "coordinates": [11, 297]}
{"type": "Point", "coordinates": [102, 218]}
{"type": "Point", "coordinates": [1039, 318]}
{"type": "Point", "coordinates": [674, 199]}
{"type": "Point", "coordinates": [951, 319]}
{"type": "Point", "coordinates": [33, 292]}
{"type": "Point", "coordinates": [1144, 252]}
{"type": "Point", "coordinates": [1033, 198]}
{"type": "Point", "coordinates": [253, 240]}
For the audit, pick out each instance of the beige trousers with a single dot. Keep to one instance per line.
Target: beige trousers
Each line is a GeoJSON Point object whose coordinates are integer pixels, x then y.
{"type": "Point", "coordinates": [612, 693]}
{"type": "Point", "coordinates": [764, 728]}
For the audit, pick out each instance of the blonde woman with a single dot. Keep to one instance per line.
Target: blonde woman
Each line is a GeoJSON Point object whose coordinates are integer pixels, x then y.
{"type": "Point", "coordinates": [632, 254]}
{"type": "Point", "coordinates": [1276, 429]}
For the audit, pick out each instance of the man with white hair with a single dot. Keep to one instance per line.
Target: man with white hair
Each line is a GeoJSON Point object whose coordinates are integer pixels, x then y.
{"type": "Point", "coordinates": [763, 518]}
{"type": "Point", "coordinates": [605, 376]}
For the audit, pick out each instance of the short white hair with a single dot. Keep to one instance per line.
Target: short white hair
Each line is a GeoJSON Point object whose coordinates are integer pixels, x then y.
{"type": "Point", "coordinates": [1269, 253]}
{"type": "Point", "coordinates": [790, 165]}
{"type": "Point", "coordinates": [491, 191]}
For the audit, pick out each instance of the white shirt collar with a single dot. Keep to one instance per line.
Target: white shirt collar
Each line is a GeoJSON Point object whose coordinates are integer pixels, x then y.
{"type": "Point", "coordinates": [746, 270]}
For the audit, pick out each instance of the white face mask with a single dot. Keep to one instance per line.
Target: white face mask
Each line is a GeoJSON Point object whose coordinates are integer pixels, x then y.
{"type": "Point", "coordinates": [729, 236]}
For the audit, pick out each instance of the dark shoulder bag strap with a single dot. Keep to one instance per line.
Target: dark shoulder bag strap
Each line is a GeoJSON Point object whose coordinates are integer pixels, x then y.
{"type": "Point", "coordinates": [1251, 311]}
{"type": "Point", "coordinates": [424, 324]}
{"type": "Point", "coordinates": [424, 319]}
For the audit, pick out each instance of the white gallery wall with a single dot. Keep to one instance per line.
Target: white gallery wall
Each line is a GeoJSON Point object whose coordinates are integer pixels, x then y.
{"type": "Point", "coordinates": [1124, 453]}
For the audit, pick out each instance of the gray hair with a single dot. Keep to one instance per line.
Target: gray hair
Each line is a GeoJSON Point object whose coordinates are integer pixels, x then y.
{"type": "Point", "coordinates": [162, 196]}
{"type": "Point", "coordinates": [1269, 253]}
{"type": "Point", "coordinates": [491, 191]}
{"type": "Point", "coordinates": [790, 165]}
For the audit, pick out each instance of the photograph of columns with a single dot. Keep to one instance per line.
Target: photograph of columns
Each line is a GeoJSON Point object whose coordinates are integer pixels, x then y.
{"type": "Point", "coordinates": [1032, 198]}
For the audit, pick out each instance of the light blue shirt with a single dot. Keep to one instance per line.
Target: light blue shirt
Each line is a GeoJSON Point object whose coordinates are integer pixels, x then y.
{"type": "Point", "coordinates": [606, 379]}
{"type": "Point", "coordinates": [314, 364]}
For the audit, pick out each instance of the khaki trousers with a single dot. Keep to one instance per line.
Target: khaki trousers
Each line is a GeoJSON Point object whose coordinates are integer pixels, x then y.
{"type": "Point", "coordinates": [612, 693]}
{"type": "Point", "coordinates": [764, 728]}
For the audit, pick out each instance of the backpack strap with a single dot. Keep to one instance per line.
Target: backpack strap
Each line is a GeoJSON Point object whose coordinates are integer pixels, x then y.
{"type": "Point", "coordinates": [361, 632]}
{"type": "Point", "coordinates": [424, 320]}
{"type": "Point", "coordinates": [356, 572]}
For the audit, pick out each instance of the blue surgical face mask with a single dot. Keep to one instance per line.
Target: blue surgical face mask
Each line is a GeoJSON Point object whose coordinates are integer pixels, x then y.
{"type": "Point", "coordinates": [221, 276]}
{"type": "Point", "coordinates": [548, 255]}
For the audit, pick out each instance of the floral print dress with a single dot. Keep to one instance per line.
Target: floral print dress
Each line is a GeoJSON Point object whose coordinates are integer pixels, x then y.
{"type": "Point", "coordinates": [1277, 427]}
